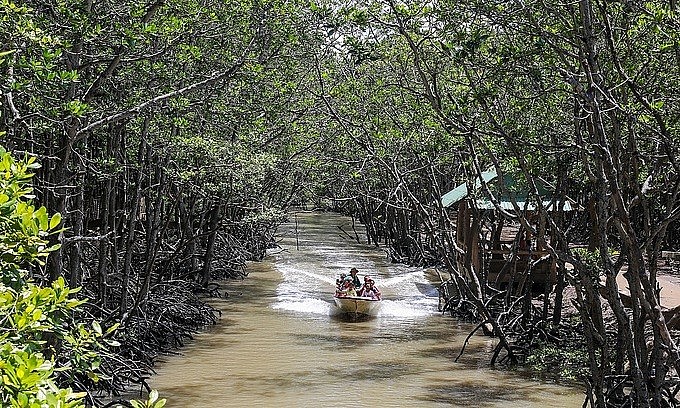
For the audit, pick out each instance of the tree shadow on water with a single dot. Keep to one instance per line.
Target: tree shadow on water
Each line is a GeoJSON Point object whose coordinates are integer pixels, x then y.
{"type": "Point", "coordinates": [379, 370]}
{"type": "Point", "coordinates": [334, 342]}
{"type": "Point", "coordinates": [469, 394]}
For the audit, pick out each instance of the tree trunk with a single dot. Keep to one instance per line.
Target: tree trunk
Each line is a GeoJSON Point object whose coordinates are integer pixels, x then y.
{"type": "Point", "coordinates": [132, 223]}
{"type": "Point", "coordinates": [215, 216]}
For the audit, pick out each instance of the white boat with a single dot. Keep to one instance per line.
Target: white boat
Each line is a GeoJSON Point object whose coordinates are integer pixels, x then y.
{"type": "Point", "coordinates": [357, 305]}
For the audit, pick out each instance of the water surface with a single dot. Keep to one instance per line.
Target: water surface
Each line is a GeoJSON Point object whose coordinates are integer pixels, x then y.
{"type": "Point", "coordinates": [281, 343]}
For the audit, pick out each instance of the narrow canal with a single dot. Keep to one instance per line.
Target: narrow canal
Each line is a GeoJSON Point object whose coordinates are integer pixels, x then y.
{"type": "Point", "coordinates": [279, 342]}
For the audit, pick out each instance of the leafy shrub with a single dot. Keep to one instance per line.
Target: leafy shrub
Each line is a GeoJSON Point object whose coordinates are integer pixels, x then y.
{"type": "Point", "coordinates": [37, 327]}
{"type": "Point", "coordinates": [32, 322]}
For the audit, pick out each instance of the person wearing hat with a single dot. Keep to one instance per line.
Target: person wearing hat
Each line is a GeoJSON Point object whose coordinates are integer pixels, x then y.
{"type": "Point", "coordinates": [355, 279]}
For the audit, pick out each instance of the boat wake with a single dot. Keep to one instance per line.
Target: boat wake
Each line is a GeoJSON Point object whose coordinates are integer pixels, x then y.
{"type": "Point", "coordinates": [408, 295]}
{"type": "Point", "coordinates": [411, 277]}
{"type": "Point", "coordinates": [405, 309]}
{"type": "Point", "coordinates": [307, 306]}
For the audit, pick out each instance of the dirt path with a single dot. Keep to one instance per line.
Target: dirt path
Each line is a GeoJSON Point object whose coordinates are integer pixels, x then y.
{"type": "Point", "coordinates": [670, 289]}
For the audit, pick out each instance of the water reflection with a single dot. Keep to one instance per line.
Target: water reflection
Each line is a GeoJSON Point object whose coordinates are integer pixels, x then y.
{"type": "Point", "coordinates": [281, 342]}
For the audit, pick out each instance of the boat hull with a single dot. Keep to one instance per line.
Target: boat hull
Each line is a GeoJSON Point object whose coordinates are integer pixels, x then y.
{"type": "Point", "coordinates": [357, 305]}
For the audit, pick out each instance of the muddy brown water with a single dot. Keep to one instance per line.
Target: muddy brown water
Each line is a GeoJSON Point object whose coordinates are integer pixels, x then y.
{"type": "Point", "coordinates": [280, 342]}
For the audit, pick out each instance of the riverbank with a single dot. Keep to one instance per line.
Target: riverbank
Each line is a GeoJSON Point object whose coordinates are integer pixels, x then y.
{"type": "Point", "coordinates": [278, 343]}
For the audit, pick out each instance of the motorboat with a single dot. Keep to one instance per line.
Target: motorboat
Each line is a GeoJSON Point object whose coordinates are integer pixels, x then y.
{"type": "Point", "coordinates": [358, 305]}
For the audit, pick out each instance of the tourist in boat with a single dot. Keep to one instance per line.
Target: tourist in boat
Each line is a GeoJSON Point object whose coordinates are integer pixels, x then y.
{"type": "Point", "coordinates": [355, 279]}
{"type": "Point", "coordinates": [340, 285]}
{"type": "Point", "coordinates": [348, 288]}
{"type": "Point", "coordinates": [369, 289]}
{"type": "Point", "coordinates": [340, 280]}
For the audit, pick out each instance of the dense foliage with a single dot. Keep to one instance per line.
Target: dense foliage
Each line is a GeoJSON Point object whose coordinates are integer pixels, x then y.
{"type": "Point", "coordinates": [152, 123]}
{"type": "Point", "coordinates": [174, 134]}
{"type": "Point", "coordinates": [578, 95]}
{"type": "Point", "coordinates": [33, 318]}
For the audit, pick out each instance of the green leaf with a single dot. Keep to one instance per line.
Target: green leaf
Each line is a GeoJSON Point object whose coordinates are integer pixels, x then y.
{"type": "Point", "coordinates": [136, 404]}
{"type": "Point", "coordinates": [22, 399]}
{"type": "Point", "coordinates": [55, 220]}
{"type": "Point", "coordinates": [41, 216]}
{"type": "Point", "coordinates": [112, 328]}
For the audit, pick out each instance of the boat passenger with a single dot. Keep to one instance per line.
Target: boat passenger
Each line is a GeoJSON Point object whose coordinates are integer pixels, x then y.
{"type": "Point", "coordinates": [348, 288]}
{"type": "Point", "coordinates": [355, 279]}
{"type": "Point", "coordinates": [338, 282]}
{"type": "Point", "coordinates": [370, 290]}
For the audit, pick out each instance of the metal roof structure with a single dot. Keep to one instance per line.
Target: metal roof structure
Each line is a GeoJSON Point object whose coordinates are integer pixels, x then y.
{"type": "Point", "coordinates": [511, 191]}
{"type": "Point", "coordinates": [460, 192]}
